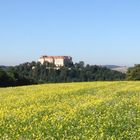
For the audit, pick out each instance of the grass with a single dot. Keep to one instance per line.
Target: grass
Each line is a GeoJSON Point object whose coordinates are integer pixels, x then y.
{"type": "Point", "coordinates": [94, 110]}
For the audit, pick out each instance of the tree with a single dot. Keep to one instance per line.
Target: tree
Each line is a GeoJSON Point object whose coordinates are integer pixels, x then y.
{"type": "Point", "coordinates": [80, 65]}
{"type": "Point", "coordinates": [35, 72]}
{"type": "Point", "coordinates": [133, 73]}
{"type": "Point", "coordinates": [5, 79]}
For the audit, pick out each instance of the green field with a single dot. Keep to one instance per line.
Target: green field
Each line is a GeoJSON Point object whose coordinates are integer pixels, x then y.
{"type": "Point", "coordinates": [95, 110]}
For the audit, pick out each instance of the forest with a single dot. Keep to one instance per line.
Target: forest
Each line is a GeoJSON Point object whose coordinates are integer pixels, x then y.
{"type": "Point", "coordinates": [36, 73]}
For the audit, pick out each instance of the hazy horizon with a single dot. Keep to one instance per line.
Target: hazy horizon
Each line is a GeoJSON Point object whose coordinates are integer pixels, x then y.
{"type": "Point", "coordinates": [97, 32]}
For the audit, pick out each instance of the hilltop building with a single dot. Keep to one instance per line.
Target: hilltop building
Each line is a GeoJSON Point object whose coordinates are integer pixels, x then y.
{"type": "Point", "coordinates": [57, 60]}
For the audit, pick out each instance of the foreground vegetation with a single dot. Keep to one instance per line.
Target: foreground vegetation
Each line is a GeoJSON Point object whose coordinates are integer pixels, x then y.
{"type": "Point", "coordinates": [96, 110]}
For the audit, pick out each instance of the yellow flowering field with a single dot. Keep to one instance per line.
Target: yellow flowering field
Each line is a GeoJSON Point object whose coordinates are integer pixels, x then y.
{"type": "Point", "coordinates": [73, 111]}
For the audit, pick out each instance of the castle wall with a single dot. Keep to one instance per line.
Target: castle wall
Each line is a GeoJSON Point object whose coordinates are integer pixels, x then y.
{"type": "Point", "coordinates": [57, 60]}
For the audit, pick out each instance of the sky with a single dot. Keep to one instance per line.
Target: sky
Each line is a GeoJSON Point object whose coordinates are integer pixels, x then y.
{"type": "Point", "coordinates": [95, 31]}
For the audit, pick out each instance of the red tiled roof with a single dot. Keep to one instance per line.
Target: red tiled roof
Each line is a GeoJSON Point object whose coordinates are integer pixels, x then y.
{"type": "Point", "coordinates": [56, 57]}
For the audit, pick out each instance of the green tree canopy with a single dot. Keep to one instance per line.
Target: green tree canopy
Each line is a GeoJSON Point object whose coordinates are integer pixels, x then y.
{"type": "Point", "coordinates": [133, 73]}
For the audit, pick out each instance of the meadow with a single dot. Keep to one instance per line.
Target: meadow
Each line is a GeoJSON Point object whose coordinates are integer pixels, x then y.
{"type": "Point", "coordinates": [73, 111]}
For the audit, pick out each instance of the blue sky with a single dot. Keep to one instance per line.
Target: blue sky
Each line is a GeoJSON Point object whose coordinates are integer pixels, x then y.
{"type": "Point", "coordinates": [95, 31]}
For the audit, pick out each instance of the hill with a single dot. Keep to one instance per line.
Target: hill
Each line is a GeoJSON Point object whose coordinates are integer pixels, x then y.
{"type": "Point", "coordinates": [122, 69]}
{"type": "Point", "coordinates": [111, 66]}
{"type": "Point", "coordinates": [92, 110]}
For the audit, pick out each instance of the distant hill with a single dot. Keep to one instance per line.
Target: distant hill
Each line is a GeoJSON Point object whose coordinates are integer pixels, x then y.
{"type": "Point", "coordinates": [122, 69]}
{"type": "Point", "coordinates": [111, 66]}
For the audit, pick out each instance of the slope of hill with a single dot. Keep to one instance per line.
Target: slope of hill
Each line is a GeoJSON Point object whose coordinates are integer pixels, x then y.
{"type": "Point", "coordinates": [122, 69]}
{"type": "Point", "coordinates": [111, 66]}
{"type": "Point", "coordinates": [96, 110]}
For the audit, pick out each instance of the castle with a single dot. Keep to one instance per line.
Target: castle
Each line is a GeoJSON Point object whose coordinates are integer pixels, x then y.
{"type": "Point", "coordinates": [57, 60]}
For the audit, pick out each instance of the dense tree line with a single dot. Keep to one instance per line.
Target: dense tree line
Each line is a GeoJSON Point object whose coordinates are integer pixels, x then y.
{"type": "Point", "coordinates": [35, 72]}
{"type": "Point", "coordinates": [71, 73]}
{"type": "Point", "coordinates": [9, 77]}
{"type": "Point", "coordinates": [133, 73]}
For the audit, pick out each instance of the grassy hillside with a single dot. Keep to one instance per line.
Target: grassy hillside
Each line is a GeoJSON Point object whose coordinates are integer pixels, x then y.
{"type": "Point", "coordinates": [98, 110]}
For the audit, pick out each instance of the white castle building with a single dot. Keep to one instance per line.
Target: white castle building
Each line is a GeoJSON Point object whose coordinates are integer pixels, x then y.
{"type": "Point", "coordinates": [57, 60]}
